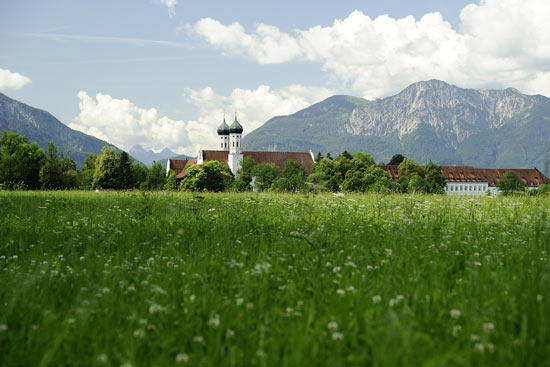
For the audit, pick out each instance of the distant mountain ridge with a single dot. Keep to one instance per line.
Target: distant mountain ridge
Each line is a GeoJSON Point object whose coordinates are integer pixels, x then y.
{"type": "Point", "coordinates": [41, 127]}
{"type": "Point", "coordinates": [429, 120]}
{"type": "Point", "coordinates": [148, 156]}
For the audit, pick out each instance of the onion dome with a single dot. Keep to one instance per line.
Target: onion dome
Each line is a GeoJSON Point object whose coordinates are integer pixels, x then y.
{"type": "Point", "coordinates": [223, 129]}
{"type": "Point", "coordinates": [236, 127]}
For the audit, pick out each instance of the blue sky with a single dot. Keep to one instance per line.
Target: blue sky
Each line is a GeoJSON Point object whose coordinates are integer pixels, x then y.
{"type": "Point", "coordinates": [161, 72]}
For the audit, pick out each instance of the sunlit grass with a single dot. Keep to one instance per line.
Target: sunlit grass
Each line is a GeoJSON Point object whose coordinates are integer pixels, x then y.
{"type": "Point", "coordinates": [108, 279]}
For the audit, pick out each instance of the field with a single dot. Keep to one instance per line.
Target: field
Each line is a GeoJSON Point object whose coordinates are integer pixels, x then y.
{"type": "Point", "coordinates": [137, 279]}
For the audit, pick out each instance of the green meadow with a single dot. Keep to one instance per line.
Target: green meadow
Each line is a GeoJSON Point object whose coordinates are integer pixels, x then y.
{"type": "Point", "coordinates": [174, 279]}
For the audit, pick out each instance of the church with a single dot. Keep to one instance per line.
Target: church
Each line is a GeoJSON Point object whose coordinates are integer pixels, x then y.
{"type": "Point", "coordinates": [230, 152]}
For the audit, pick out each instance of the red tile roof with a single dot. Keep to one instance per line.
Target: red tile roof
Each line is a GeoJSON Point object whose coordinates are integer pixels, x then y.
{"type": "Point", "coordinates": [277, 158]}
{"type": "Point", "coordinates": [531, 177]}
{"type": "Point", "coordinates": [179, 166]}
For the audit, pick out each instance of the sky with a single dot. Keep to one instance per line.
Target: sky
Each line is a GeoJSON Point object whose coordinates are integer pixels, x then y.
{"type": "Point", "coordinates": [162, 73]}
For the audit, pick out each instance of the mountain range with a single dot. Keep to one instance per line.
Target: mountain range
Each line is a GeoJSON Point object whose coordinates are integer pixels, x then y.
{"type": "Point", "coordinates": [41, 127]}
{"type": "Point", "coordinates": [429, 120]}
{"type": "Point", "coordinates": [148, 157]}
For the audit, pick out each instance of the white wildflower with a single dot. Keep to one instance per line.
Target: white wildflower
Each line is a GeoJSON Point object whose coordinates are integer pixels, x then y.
{"type": "Point", "coordinates": [182, 358]}
{"type": "Point", "coordinates": [214, 321]}
{"type": "Point", "coordinates": [333, 325]}
{"type": "Point", "coordinates": [337, 336]}
{"type": "Point", "coordinates": [455, 314]}
{"type": "Point", "coordinates": [488, 327]}
{"type": "Point", "coordinates": [139, 333]}
{"type": "Point", "coordinates": [376, 299]}
{"type": "Point", "coordinates": [154, 308]}
{"type": "Point", "coordinates": [479, 348]}
{"type": "Point", "coordinates": [456, 330]}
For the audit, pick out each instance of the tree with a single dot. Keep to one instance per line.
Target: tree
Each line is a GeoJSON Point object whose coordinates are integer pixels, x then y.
{"type": "Point", "coordinates": [396, 160]}
{"type": "Point", "coordinates": [88, 170]}
{"type": "Point", "coordinates": [345, 154]}
{"type": "Point", "coordinates": [435, 180]}
{"type": "Point", "coordinates": [509, 183]}
{"type": "Point", "coordinates": [244, 175]}
{"type": "Point", "coordinates": [106, 170]}
{"type": "Point", "coordinates": [365, 158]}
{"type": "Point", "coordinates": [319, 157]}
{"type": "Point", "coordinates": [51, 175]}
{"type": "Point", "coordinates": [265, 174]}
{"type": "Point", "coordinates": [156, 177]}
{"type": "Point", "coordinates": [171, 183]}
{"type": "Point", "coordinates": [124, 179]}
{"type": "Point", "coordinates": [325, 172]}
{"type": "Point", "coordinates": [210, 176]}
{"type": "Point", "coordinates": [291, 179]}
{"type": "Point", "coordinates": [370, 178]}
{"type": "Point", "coordinates": [20, 162]}
{"type": "Point", "coordinates": [139, 175]}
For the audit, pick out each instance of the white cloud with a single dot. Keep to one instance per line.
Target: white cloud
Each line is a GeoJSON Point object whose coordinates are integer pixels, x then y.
{"type": "Point", "coordinates": [171, 5]}
{"type": "Point", "coordinates": [254, 107]}
{"type": "Point", "coordinates": [500, 43]}
{"type": "Point", "coordinates": [11, 80]}
{"type": "Point", "coordinates": [124, 124]}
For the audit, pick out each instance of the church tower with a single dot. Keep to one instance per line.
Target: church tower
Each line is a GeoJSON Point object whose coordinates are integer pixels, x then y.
{"type": "Point", "coordinates": [235, 150]}
{"type": "Point", "coordinates": [223, 133]}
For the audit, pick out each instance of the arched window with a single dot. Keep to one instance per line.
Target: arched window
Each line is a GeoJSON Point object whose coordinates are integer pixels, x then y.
{"type": "Point", "coordinates": [237, 144]}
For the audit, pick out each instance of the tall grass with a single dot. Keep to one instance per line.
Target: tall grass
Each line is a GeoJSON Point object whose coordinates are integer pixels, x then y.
{"type": "Point", "coordinates": [113, 279]}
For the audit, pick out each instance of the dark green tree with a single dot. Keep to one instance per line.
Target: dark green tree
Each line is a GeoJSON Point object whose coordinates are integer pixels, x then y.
{"type": "Point", "coordinates": [210, 176]}
{"type": "Point", "coordinates": [51, 175]}
{"type": "Point", "coordinates": [20, 162]}
{"type": "Point", "coordinates": [124, 179]}
{"type": "Point", "coordinates": [139, 175]}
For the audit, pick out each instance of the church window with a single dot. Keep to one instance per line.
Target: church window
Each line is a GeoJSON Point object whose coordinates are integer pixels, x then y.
{"type": "Point", "coordinates": [226, 145]}
{"type": "Point", "coordinates": [237, 144]}
{"type": "Point", "coordinates": [222, 145]}
{"type": "Point", "coordinates": [233, 143]}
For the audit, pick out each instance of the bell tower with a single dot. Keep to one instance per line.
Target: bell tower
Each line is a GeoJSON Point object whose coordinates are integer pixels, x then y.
{"type": "Point", "coordinates": [235, 150]}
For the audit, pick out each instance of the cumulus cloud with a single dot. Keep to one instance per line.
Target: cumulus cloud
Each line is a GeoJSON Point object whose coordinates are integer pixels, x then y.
{"type": "Point", "coordinates": [254, 107]}
{"type": "Point", "coordinates": [124, 124]}
{"type": "Point", "coordinates": [500, 43]}
{"type": "Point", "coordinates": [171, 5]}
{"type": "Point", "coordinates": [11, 80]}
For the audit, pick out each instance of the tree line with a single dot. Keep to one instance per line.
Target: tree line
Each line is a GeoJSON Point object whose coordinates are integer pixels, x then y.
{"type": "Point", "coordinates": [347, 173]}
{"type": "Point", "coordinates": [24, 165]}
